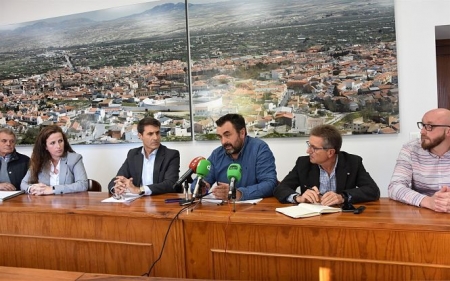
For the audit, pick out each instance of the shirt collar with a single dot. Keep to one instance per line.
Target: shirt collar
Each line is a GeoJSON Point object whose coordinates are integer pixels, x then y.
{"type": "Point", "coordinates": [152, 153]}
{"type": "Point", "coordinates": [7, 157]}
{"type": "Point", "coordinates": [335, 165]}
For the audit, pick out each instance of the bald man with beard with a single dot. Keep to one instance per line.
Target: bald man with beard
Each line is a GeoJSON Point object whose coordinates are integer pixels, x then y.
{"type": "Point", "coordinates": [422, 173]}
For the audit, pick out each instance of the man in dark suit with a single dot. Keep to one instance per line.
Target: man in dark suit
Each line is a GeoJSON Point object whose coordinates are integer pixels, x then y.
{"type": "Point", "coordinates": [327, 176]}
{"type": "Point", "coordinates": [150, 169]}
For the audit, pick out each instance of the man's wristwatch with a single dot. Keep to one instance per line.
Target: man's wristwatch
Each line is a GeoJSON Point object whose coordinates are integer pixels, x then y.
{"type": "Point", "coordinates": [295, 198]}
{"type": "Point", "coordinates": [141, 190]}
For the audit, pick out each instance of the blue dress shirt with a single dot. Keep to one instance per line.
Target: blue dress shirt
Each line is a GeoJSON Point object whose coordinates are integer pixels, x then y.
{"type": "Point", "coordinates": [259, 176]}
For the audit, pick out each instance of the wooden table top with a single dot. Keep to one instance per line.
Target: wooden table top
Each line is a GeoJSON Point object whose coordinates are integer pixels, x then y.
{"type": "Point", "coordinates": [384, 213]}
{"type": "Point", "coordinates": [33, 274]}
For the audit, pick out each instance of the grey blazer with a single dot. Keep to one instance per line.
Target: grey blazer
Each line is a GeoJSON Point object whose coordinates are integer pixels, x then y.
{"type": "Point", "coordinates": [72, 175]}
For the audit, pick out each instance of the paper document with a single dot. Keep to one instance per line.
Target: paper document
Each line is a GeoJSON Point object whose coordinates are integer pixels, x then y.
{"type": "Point", "coordinates": [126, 197]}
{"type": "Point", "coordinates": [4, 195]}
{"type": "Point", "coordinates": [304, 210]}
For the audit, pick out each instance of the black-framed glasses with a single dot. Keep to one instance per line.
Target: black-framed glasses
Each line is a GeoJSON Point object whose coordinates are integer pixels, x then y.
{"type": "Point", "coordinates": [429, 127]}
{"type": "Point", "coordinates": [315, 149]}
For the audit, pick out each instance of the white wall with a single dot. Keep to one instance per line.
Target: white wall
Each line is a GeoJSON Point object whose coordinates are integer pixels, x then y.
{"type": "Point", "coordinates": [415, 24]}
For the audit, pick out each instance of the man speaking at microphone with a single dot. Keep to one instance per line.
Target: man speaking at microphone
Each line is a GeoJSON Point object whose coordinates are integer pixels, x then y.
{"type": "Point", "coordinates": [259, 176]}
{"type": "Point", "coordinates": [150, 169]}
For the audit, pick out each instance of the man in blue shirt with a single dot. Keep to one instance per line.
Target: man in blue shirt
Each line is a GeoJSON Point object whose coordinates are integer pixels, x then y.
{"type": "Point", "coordinates": [259, 176]}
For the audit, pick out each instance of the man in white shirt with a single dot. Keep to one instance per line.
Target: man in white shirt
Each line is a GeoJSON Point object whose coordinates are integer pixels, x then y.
{"type": "Point", "coordinates": [150, 169]}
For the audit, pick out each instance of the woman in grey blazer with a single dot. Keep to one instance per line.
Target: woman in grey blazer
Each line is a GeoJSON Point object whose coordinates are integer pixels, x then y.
{"type": "Point", "coordinates": [54, 167]}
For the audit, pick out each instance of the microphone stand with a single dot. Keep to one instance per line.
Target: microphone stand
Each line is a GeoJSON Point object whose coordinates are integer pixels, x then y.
{"type": "Point", "coordinates": [194, 192]}
{"type": "Point", "coordinates": [186, 200]}
{"type": "Point", "coordinates": [186, 190]}
{"type": "Point", "coordinates": [198, 195]}
{"type": "Point", "coordinates": [232, 194]}
{"type": "Point", "coordinates": [233, 198]}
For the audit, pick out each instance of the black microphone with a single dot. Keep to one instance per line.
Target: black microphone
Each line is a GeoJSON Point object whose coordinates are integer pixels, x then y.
{"type": "Point", "coordinates": [187, 175]}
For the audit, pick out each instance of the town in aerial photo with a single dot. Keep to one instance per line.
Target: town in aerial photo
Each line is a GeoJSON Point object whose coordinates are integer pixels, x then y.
{"type": "Point", "coordinates": [285, 65]}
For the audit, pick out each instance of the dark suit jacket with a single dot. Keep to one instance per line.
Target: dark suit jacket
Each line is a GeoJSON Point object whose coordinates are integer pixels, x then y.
{"type": "Point", "coordinates": [351, 176]}
{"type": "Point", "coordinates": [17, 168]}
{"type": "Point", "coordinates": [165, 173]}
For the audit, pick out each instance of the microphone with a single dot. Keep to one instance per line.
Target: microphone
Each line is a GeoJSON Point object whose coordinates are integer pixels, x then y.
{"type": "Point", "coordinates": [234, 174]}
{"type": "Point", "coordinates": [187, 175]}
{"type": "Point", "coordinates": [203, 168]}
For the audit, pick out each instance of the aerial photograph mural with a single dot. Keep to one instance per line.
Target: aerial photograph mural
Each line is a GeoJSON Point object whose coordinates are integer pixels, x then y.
{"type": "Point", "coordinates": [285, 65]}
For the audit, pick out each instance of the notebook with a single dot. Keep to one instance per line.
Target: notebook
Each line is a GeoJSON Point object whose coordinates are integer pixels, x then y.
{"type": "Point", "coordinates": [305, 210]}
{"type": "Point", "coordinates": [5, 195]}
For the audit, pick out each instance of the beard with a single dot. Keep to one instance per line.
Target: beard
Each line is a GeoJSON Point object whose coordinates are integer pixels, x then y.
{"type": "Point", "coordinates": [431, 143]}
{"type": "Point", "coordinates": [231, 149]}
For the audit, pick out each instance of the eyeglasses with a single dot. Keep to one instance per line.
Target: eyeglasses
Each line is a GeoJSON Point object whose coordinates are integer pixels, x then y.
{"type": "Point", "coordinates": [429, 127]}
{"type": "Point", "coordinates": [315, 149]}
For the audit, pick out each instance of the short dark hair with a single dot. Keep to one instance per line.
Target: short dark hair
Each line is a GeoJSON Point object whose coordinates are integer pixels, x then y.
{"type": "Point", "coordinates": [331, 136]}
{"type": "Point", "coordinates": [147, 121]}
{"type": "Point", "coordinates": [236, 120]}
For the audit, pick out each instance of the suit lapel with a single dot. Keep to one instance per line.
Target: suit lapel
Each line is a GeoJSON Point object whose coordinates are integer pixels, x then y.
{"type": "Point", "coordinates": [139, 165]}
{"type": "Point", "coordinates": [341, 173]}
{"type": "Point", "coordinates": [63, 170]}
{"type": "Point", "coordinates": [158, 162]}
{"type": "Point", "coordinates": [314, 176]}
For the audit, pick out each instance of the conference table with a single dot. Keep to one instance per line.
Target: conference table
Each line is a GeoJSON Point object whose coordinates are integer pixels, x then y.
{"type": "Point", "coordinates": [32, 274]}
{"type": "Point", "coordinates": [77, 232]}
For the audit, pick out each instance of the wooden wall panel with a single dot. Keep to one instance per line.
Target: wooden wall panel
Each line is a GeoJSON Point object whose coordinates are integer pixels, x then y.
{"type": "Point", "coordinates": [77, 255]}
{"type": "Point", "coordinates": [267, 252]}
{"type": "Point", "coordinates": [258, 266]}
{"type": "Point", "coordinates": [443, 72]}
{"type": "Point", "coordinates": [77, 233]}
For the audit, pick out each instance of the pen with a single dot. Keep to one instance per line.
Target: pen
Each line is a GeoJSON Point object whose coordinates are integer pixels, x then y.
{"type": "Point", "coordinates": [318, 192]}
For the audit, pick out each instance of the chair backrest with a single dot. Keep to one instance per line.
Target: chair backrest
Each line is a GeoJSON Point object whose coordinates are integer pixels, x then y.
{"type": "Point", "coordinates": [94, 186]}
